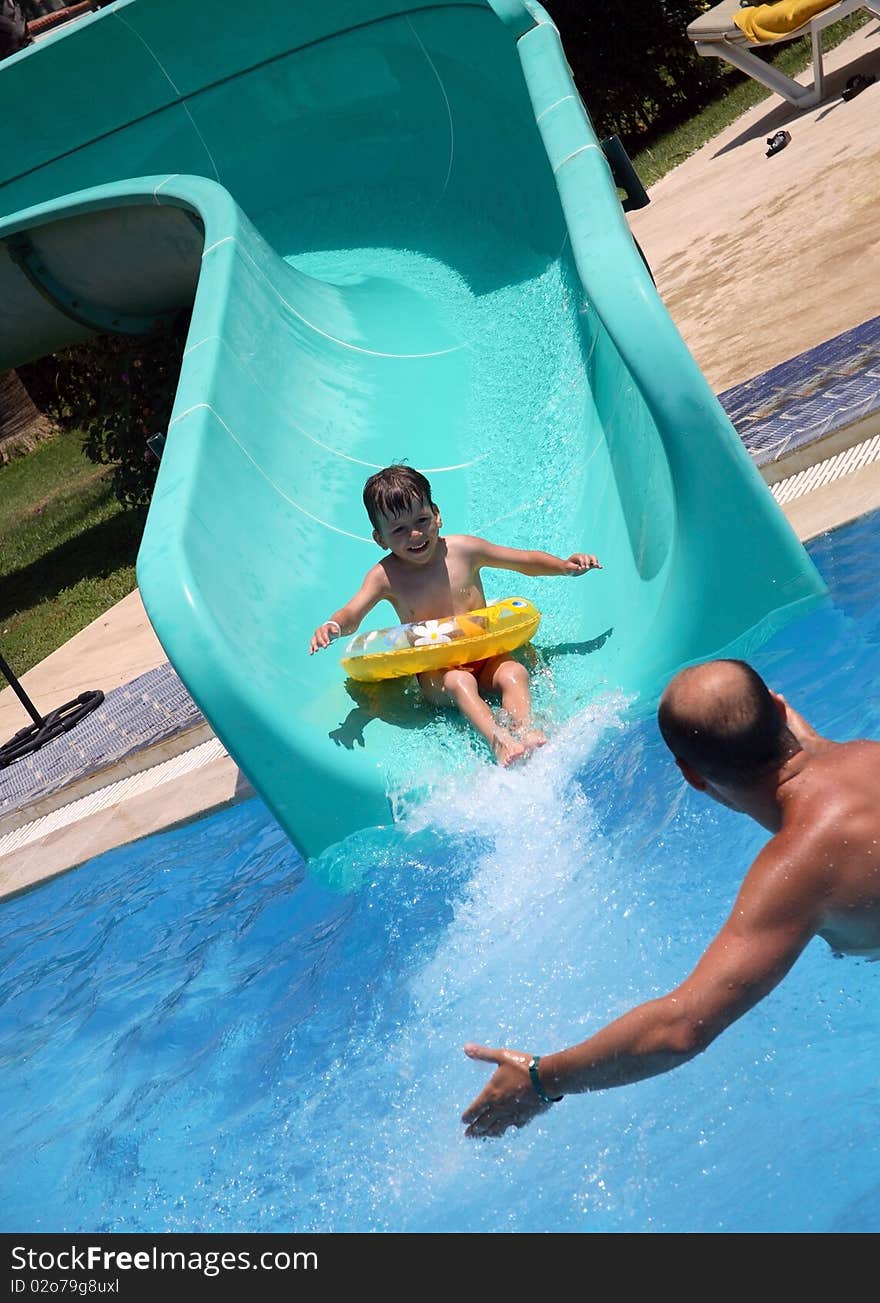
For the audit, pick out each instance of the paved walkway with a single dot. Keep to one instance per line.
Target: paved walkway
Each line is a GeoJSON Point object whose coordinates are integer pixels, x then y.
{"type": "Point", "coordinates": [145, 760]}
{"type": "Point", "coordinates": [769, 267]}
{"type": "Point", "coordinates": [759, 259]}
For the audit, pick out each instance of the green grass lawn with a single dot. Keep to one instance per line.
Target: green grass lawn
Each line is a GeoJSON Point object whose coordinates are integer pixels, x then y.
{"type": "Point", "coordinates": [67, 549]}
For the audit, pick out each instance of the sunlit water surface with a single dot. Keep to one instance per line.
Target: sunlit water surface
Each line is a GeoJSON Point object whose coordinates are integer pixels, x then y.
{"type": "Point", "coordinates": [198, 1035]}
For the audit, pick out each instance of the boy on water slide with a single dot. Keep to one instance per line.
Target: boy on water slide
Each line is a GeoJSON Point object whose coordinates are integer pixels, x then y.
{"type": "Point", "coordinates": [426, 577]}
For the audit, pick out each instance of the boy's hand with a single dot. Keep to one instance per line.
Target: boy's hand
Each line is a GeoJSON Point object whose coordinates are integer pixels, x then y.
{"type": "Point", "coordinates": [580, 562]}
{"type": "Point", "coordinates": [325, 633]}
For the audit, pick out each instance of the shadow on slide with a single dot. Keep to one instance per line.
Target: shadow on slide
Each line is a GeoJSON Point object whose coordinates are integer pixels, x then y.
{"type": "Point", "coordinates": [401, 241]}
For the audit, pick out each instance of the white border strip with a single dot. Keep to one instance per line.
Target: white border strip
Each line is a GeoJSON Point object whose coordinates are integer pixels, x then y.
{"type": "Point", "coordinates": [825, 472]}
{"type": "Point", "coordinates": [105, 797]}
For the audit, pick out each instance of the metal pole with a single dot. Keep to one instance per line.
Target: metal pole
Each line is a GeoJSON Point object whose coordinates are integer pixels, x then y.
{"type": "Point", "coordinates": [20, 693]}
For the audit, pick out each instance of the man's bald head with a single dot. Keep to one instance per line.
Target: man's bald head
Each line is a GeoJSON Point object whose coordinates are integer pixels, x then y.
{"type": "Point", "coordinates": [720, 718]}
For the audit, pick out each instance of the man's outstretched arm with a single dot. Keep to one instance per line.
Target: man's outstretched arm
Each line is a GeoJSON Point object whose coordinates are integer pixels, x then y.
{"type": "Point", "coordinates": [772, 921]}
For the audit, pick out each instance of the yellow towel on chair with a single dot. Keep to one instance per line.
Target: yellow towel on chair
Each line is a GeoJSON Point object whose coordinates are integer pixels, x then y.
{"type": "Point", "coordinates": [769, 22]}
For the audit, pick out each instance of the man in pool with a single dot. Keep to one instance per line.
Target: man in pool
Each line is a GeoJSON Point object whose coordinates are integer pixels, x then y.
{"type": "Point", "coordinates": [818, 875]}
{"type": "Point", "coordinates": [428, 577]}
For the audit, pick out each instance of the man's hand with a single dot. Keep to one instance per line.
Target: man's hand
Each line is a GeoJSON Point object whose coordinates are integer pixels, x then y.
{"type": "Point", "coordinates": [580, 562]}
{"type": "Point", "coordinates": [508, 1099]}
{"type": "Point", "coordinates": [325, 633]}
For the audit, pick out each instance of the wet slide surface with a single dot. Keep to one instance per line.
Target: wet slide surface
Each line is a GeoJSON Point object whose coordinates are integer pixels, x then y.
{"type": "Point", "coordinates": [401, 241]}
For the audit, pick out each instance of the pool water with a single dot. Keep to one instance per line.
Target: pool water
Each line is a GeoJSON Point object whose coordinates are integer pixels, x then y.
{"type": "Point", "coordinates": [199, 1035]}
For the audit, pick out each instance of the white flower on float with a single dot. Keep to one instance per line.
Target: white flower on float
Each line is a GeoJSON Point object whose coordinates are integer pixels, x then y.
{"type": "Point", "coordinates": [433, 632]}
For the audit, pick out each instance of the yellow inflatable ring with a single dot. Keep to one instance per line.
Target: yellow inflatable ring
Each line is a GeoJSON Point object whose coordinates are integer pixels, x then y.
{"type": "Point", "coordinates": [440, 644]}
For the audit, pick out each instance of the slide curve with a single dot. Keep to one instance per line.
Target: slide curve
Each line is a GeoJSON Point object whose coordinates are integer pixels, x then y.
{"type": "Point", "coordinates": [401, 240]}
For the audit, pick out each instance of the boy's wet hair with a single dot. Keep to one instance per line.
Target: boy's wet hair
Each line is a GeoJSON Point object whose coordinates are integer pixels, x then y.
{"type": "Point", "coordinates": [392, 491]}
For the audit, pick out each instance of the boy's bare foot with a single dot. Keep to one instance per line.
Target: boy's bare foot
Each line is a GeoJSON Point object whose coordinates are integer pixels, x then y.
{"type": "Point", "coordinates": [533, 738]}
{"type": "Point", "coordinates": [507, 748]}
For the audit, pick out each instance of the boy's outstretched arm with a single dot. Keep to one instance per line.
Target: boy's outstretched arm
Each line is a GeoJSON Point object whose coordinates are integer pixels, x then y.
{"type": "Point", "coordinates": [349, 616]}
{"type": "Point", "coordinates": [531, 562]}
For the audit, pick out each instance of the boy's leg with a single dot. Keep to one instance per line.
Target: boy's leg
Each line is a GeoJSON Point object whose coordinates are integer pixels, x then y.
{"type": "Point", "coordinates": [459, 687]}
{"type": "Point", "coordinates": [509, 678]}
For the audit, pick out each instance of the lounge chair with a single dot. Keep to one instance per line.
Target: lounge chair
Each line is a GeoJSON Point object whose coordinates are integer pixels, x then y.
{"type": "Point", "coordinates": [716, 36]}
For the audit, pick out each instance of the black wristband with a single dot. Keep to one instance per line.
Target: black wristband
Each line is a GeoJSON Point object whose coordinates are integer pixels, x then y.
{"type": "Point", "coordinates": [536, 1082]}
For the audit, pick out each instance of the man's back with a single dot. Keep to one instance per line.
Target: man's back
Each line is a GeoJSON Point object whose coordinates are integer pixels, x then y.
{"type": "Point", "coordinates": [831, 829]}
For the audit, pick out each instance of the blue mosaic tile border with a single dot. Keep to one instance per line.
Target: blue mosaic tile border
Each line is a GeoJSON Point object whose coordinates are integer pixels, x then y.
{"type": "Point", "coordinates": [151, 708]}
{"type": "Point", "coordinates": [809, 396]}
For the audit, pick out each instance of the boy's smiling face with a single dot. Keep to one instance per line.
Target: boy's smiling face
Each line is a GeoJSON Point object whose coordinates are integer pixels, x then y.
{"type": "Point", "coordinates": [413, 535]}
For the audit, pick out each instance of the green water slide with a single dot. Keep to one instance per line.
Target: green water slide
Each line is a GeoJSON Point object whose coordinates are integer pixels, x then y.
{"type": "Point", "coordinates": [401, 240]}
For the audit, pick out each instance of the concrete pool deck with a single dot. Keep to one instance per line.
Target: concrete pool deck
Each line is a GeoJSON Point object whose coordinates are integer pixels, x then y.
{"type": "Point", "coordinates": [768, 266]}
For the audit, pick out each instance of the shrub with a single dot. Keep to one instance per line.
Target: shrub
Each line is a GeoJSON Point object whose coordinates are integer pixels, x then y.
{"type": "Point", "coordinates": [635, 66]}
{"type": "Point", "coordinates": [118, 390]}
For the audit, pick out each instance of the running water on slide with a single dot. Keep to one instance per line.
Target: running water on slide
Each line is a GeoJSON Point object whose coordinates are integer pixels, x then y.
{"type": "Point", "coordinates": [401, 240]}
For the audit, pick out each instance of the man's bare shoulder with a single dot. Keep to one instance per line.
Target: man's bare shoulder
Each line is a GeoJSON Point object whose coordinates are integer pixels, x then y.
{"type": "Point", "coordinates": [789, 883]}
{"type": "Point", "coordinates": [831, 818]}
{"type": "Point", "coordinates": [863, 748]}
{"type": "Point", "coordinates": [840, 775]}
{"type": "Point", "coordinates": [839, 797]}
